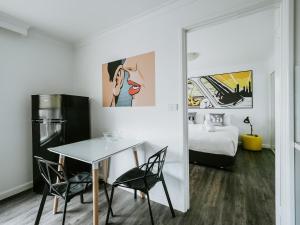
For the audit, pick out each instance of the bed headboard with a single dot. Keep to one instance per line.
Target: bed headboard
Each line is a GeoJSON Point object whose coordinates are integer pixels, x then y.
{"type": "Point", "coordinates": [192, 116]}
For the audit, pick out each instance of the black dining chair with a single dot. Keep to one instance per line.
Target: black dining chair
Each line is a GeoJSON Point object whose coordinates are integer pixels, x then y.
{"type": "Point", "coordinates": [143, 178]}
{"type": "Point", "coordinates": [66, 188]}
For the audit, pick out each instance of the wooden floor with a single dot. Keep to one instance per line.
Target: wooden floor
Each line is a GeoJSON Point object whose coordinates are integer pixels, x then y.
{"type": "Point", "coordinates": [243, 196]}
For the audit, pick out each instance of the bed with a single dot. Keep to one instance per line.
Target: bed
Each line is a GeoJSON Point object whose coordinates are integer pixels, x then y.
{"type": "Point", "coordinates": [217, 149]}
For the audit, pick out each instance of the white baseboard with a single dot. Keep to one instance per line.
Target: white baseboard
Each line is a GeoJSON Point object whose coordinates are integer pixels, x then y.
{"type": "Point", "coordinates": [16, 190]}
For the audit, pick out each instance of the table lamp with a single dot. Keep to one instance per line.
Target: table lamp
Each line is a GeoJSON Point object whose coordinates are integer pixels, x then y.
{"type": "Point", "coordinates": [247, 120]}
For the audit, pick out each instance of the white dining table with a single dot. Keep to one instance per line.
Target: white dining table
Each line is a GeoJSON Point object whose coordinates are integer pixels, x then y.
{"type": "Point", "coordinates": [93, 151]}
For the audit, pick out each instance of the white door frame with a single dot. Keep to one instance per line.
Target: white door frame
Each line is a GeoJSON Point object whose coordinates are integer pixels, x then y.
{"type": "Point", "coordinates": [284, 106]}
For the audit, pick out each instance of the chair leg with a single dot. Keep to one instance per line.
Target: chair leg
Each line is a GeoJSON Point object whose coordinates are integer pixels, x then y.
{"type": "Point", "coordinates": [81, 198]}
{"type": "Point", "coordinates": [168, 197]}
{"type": "Point", "coordinates": [45, 193]}
{"type": "Point", "coordinates": [135, 194]}
{"type": "Point", "coordinates": [65, 212]}
{"type": "Point", "coordinates": [148, 198]}
{"type": "Point", "coordinates": [66, 203]}
{"type": "Point", "coordinates": [110, 203]}
{"type": "Point", "coordinates": [107, 198]}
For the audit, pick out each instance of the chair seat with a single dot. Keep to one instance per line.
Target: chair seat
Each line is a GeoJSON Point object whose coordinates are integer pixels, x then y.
{"type": "Point", "coordinates": [144, 180]}
{"type": "Point", "coordinates": [137, 184]}
{"type": "Point", "coordinates": [74, 188]}
{"type": "Point", "coordinates": [82, 177]}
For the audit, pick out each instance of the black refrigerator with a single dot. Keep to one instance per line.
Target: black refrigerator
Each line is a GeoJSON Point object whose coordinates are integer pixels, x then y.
{"type": "Point", "coordinates": [58, 120]}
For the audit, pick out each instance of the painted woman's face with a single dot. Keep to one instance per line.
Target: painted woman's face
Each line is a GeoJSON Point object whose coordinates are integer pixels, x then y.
{"type": "Point", "coordinates": [135, 80]}
{"type": "Point", "coordinates": [141, 79]}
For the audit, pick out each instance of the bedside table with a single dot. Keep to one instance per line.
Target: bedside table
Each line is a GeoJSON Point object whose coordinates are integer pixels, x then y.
{"type": "Point", "coordinates": [252, 142]}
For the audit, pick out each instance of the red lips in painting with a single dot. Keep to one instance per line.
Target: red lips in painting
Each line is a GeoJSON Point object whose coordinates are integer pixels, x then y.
{"type": "Point", "coordinates": [135, 87]}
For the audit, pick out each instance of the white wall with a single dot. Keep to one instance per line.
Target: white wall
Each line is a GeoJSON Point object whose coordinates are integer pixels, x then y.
{"type": "Point", "coordinates": [236, 41]}
{"type": "Point", "coordinates": [159, 32]}
{"type": "Point", "coordinates": [28, 65]}
{"type": "Point", "coordinates": [235, 46]}
{"type": "Point", "coordinates": [260, 113]}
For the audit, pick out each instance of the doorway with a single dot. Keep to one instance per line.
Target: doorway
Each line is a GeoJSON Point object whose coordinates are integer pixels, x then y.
{"type": "Point", "coordinates": [283, 158]}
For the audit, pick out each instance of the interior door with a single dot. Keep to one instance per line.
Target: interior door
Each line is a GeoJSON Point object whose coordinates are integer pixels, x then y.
{"type": "Point", "coordinates": [297, 142]}
{"type": "Point", "coordinates": [297, 110]}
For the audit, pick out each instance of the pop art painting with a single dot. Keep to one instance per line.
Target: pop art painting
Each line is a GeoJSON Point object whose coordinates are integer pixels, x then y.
{"type": "Point", "coordinates": [129, 82]}
{"type": "Point", "coordinates": [219, 91]}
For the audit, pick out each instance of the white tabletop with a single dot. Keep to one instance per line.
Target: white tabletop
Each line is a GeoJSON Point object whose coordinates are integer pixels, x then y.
{"type": "Point", "coordinates": [95, 150]}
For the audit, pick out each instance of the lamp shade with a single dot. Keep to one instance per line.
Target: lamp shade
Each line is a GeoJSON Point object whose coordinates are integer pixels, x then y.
{"type": "Point", "coordinates": [247, 120]}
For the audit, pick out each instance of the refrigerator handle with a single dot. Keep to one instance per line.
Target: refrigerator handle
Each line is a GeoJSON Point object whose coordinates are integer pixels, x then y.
{"type": "Point", "coordinates": [44, 121]}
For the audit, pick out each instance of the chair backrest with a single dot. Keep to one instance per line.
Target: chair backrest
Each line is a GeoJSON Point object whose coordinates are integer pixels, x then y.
{"type": "Point", "coordinates": [155, 163]}
{"type": "Point", "coordinates": [50, 173]}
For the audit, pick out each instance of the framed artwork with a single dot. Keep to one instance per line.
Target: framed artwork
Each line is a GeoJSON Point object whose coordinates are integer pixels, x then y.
{"type": "Point", "coordinates": [129, 82]}
{"type": "Point", "coordinates": [219, 91]}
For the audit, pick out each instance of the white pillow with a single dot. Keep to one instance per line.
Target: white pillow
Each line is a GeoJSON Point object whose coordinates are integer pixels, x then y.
{"type": "Point", "coordinates": [227, 118]}
{"type": "Point", "coordinates": [209, 126]}
{"type": "Point", "coordinates": [191, 116]}
{"type": "Point", "coordinates": [217, 119]}
{"type": "Point", "coordinates": [199, 118]}
{"type": "Point", "coordinates": [206, 117]}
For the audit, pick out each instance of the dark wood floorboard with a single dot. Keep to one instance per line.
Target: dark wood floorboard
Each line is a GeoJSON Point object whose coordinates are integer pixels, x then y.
{"type": "Point", "coordinates": [243, 196]}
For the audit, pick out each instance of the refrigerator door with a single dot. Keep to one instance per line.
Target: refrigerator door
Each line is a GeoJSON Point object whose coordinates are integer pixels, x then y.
{"type": "Point", "coordinates": [49, 118]}
{"type": "Point", "coordinates": [51, 129]}
{"type": "Point", "coordinates": [50, 101]}
{"type": "Point", "coordinates": [45, 135]}
{"type": "Point", "coordinates": [57, 120]}
{"type": "Point", "coordinates": [47, 107]}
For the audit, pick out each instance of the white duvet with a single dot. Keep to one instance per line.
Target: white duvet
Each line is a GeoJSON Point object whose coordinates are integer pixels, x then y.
{"type": "Point", "coordinates": [224, 141]}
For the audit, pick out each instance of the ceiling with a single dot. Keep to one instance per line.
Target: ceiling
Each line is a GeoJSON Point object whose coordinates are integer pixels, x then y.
{"type": "Point", "coordinates": [75, 20]}
{"type": "Point", "coordinates": [235, 42]}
